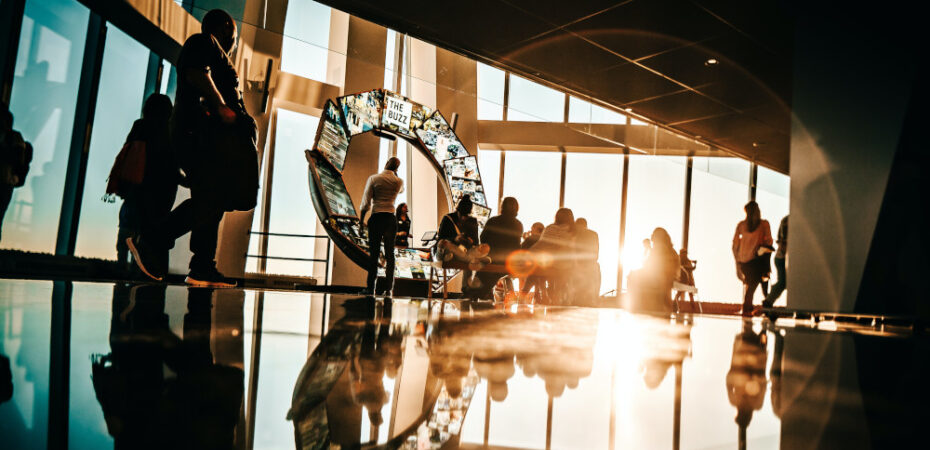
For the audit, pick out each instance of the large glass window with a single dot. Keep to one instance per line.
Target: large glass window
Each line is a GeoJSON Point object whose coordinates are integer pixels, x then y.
{"type": "Point", "coordinates": [48, 69]}
{"type": "Point", "coordinates": [305, 49]}
{"type": "Point", "coordinates": [719, 190]}
{"type": "Point", "coordinates": [119, 102]}
{"type": "Point", "coordinates": [655, 198]}
{"type": "Point", "coordinates": [489, 164]}
{"type": "Point", "coordinates": [490, 93]}
{"type": "Point", "coordinates": [533, 102]}
{"type": "Point", "coordinates": [593, 183]}
{"type": "Point", "coordinates": [533, 179]}
{"type": "Point", "coordinates": [291, 208]}
{"type": "Point", "coordinates": [580, 111]}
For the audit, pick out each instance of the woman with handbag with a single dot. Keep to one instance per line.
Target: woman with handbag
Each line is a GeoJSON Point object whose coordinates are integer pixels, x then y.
{"type": "Point", "coordinates": [752, 245]}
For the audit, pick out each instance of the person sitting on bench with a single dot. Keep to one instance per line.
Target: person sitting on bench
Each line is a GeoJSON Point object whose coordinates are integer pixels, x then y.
{"type": "Point", "coordinates": [458, 239]}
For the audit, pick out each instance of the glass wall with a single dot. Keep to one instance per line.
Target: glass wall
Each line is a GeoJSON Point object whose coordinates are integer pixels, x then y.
{"type": "Point", "coordinates": [119, 103]}
{"type": "Point", "coordinates": [533, 179]}
{"type": "Point", "coordinates": [593, 183]}
{"type": "Point", "coordinates": [48, 69]}
{"type": "Point", "coordinates": [655, 198]}
{"type": "Point", "coordinates": [580, 111]}
{"type": "Point", "coordinates": [533, 102]}
{"type": "Point", "coordinates": [291, 208]}
{"type": "Point", "coordinates": [719, 190]}
{"type": "Point", "coordinates": [305, 48]}
{"type": "Point", "coordinates": [490, 93]}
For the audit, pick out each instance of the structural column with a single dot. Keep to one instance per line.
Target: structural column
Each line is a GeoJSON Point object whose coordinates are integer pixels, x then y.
{"type": "Point", "coordinates": [367, 44]}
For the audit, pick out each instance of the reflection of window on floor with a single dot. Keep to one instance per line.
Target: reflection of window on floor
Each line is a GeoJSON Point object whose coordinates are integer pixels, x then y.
{"type": "Point", "coordinates": [291, 209]}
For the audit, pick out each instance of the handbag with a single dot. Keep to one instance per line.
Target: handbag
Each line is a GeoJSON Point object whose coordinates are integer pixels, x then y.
{"type": "Point", "coordinates": [128, 170]}
{"type": "Point", "coordinates": [232, 153]}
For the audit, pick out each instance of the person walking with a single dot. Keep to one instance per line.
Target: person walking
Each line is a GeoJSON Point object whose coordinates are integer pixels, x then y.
{"type": "Point", "coordinates": [379, 196]}
{"type": "Point", "coordinates": [151, 200]}
{"type": "Point", "coordinates": [780, 256]}
{"type": "Point", "coordinates": [752, 243]}
{"type": "Point", "coordinates": [214, 140]}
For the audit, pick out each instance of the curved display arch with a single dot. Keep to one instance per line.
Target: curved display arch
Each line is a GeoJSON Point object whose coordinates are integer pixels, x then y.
{"type": "Point", "coordinates": [389, 115]}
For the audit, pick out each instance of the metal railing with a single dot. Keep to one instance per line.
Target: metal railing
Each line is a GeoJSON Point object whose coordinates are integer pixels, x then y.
{"type": "Point", "coordinates": [326, 261]}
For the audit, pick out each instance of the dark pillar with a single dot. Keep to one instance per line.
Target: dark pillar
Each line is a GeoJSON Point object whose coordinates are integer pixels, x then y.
{"type": "Point", "coordinates": [80, 136]}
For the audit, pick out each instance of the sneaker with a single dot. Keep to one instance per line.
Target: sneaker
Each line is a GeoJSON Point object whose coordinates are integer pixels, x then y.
{"type": "Point", "coordinates": [209, 278]}
{"type": "Point", "coordinates": [146, 258]}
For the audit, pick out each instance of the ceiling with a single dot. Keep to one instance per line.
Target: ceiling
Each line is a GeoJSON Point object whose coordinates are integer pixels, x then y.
{"type": "Point", "coordinates": [648, 55]}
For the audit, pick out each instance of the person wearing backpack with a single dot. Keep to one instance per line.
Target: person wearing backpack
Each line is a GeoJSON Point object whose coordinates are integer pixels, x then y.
{"type": "Point", "coordinates": [214, 139]}
{"type": "Point", "coordinates": [150, 200]}
{"type": "Point", "coordinates": [15, 156]}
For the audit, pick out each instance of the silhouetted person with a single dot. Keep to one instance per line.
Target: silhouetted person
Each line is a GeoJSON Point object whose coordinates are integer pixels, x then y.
{"type": "Point", "coordinates": [458, 240]}
{"type": "Point", "coordinates": [380, 194]}
{"type": "Point", "coordinates": [15, 156]}
{"type": "Point", "coordinates": [686, 275]}
{"type": "Point", "coordinates": [403, 226]}
{"type": "Point", "coordinates": [746, 383]}
{"type": "Point", "coordinates": [530, 238]}
{"type": "Point", "coordinates": [210, 131]}
{"type": "Point", "coordinates": [752, 243]}
{"type": "Point", "coordinates": [502, 233]}
{"type": "Point", "coordinates": [587, 244]}
{"type": "Point", "coordinates": [555, 252]}
{"type": "Point", "coordinates": [6, 379]}
{"type": "Point", "coordinates": [150, 201]}
{"type": "Point", "coordinates": [781, 255]}
{"type": "Point", "coordinates": [651, 286]}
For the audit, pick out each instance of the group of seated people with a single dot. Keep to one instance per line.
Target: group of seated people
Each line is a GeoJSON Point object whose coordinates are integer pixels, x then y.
{"type": "Point", "coordinates": [559, 260]}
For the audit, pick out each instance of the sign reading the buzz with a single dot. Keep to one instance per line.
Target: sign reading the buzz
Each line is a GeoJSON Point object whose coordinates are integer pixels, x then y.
{"type": "Point", "coordinates": [397, 113]}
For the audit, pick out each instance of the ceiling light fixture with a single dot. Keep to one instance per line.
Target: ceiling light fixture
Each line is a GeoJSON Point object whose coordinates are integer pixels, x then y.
{"type": "Point", "coordinates": [628, 109]}
{"type": "Point", "coordinates": [711, 62]}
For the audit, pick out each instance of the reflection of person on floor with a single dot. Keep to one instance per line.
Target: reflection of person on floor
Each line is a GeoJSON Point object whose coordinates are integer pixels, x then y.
{"type": "Point", "coordinates": [502, 233]}
{"type": "Point", "coordinates": [746, 383]}
{"type": "Point", "coordinates": [379, 196]}
{"type": "Point", "coordinates": [157, 390]}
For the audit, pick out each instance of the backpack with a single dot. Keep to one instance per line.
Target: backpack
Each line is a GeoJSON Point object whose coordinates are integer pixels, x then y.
{"type": "Point", "coordinates": [127, 171]}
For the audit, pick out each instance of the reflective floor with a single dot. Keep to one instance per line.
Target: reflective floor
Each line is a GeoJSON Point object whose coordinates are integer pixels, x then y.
{"type": "Point", "coordinates": [98, 365]}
